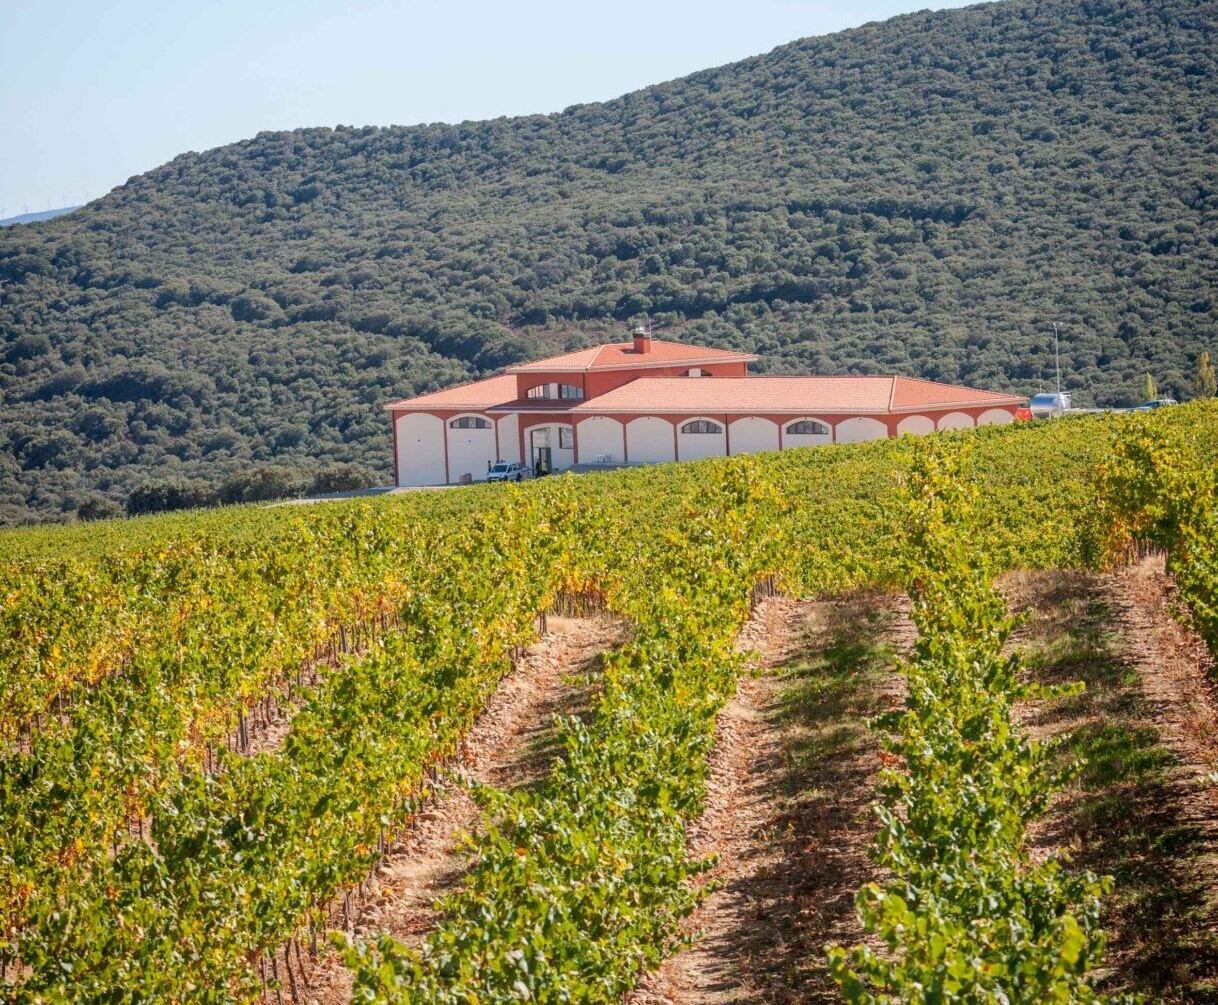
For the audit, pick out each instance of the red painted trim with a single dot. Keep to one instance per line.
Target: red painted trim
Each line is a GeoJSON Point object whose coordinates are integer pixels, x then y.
{"type": "Point", "coordinates": [676, 444]}
{"type": "Point", "coordinates": [393, 418]}
{"type": "Point", "coordinates": [625, 449]}
{"type": "Point", "coordinates": [574, 442]}
{"type": "Point", "coordinates": [727, 436]}
{"type": "Point", "coordinates": [498, 455]}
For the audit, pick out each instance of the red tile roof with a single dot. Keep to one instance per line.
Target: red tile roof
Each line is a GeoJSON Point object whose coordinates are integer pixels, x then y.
{"type": "Point", "coordinates": [913, 392]}
{"type": "Point", "coordinates": [763, 395]}
{"type": "Point", "coordinates": [620, 355]}
{"type": "Point", "coordinates": [477, 395]}
{"type": "Point", "coordinates": [786, 395]}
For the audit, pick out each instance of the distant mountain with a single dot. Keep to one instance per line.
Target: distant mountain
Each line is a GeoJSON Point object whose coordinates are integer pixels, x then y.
{"type": "Point", "coordinates": [46, 214]}
{"type": "Point", "coordinates": [923, 196]}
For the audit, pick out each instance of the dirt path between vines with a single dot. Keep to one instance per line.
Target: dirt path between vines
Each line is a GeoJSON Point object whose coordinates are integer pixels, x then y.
{"type": "Point", "coordinates": [788, 805]}
{"type": "Point", "coordinates": [505, 748]}
{"type": "Point", "coordinates": [1173, 940]}
{"type": "Point", "coordinates": [1178, 678]}
{"type": "Point", "coordinates": [1145, 807]}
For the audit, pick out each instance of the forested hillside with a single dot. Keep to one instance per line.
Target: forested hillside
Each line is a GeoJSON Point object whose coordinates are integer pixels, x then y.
{"type": "Point", "coordinates": [922, 196]}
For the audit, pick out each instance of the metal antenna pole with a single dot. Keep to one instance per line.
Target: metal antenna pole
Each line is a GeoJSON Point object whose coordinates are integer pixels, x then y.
{"type": "Point", "coordinates": [1057, 358]}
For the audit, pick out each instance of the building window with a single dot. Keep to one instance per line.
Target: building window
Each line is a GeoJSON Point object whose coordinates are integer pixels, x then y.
{"type": "Point", "coordinates": [806, 427]}
{"type": "Point", "coordinates": [696, 371]}
{"type": "Point", "coordinates": [469, 422]}
{"type": "Point", "coordinates": [566, 438]}
{"type": "Point", "coordinates": [701, 426]}
{"type": "Point", "coordinates": [551, 392]}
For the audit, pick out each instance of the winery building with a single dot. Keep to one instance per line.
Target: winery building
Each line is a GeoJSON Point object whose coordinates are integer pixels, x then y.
{"type": "Point", "coordinates": [648, 401]}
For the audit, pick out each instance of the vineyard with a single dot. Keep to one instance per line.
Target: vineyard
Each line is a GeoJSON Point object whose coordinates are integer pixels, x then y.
{"type": "Point", "coordinates": [214, 728]}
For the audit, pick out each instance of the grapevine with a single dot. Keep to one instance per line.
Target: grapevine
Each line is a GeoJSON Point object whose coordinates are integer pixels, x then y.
{"type": "Point", "coordinates": [144, 855]}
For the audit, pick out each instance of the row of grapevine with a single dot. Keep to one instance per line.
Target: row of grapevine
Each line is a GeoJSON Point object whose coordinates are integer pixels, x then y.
{"type": "Point", "coordinates": [233, 862]}
{"type": "Point", "coordinates": [1157, 489]}
{"type": "Point", "coordinates": [526, 927]}
{"type": "Point", "coordinates": [137, 864]}
{"type": "Point", "coordinates": [239, 606]}
{"type": "Point", "coordinates": [967, 914]}
{"type": "Point", "coordinates": [577, 887]}
{"type": "Point", "coordinates": [237, 617]}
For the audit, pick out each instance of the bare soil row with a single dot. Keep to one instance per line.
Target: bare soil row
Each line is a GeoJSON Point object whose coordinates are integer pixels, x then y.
{"type": "Point", "coordinates": [507, 747]}
{"type": "Point", "coordinates": [792, 783]}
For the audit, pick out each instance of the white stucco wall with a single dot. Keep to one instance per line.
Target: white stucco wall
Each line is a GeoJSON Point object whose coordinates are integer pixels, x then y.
{"type": "Point", "coordinates": [995, 417]}
{"type": "Point", "coordinates": [915, 425]}
{"type": "Point", "coordinates": [649, 440]}
{"type": "Point", "coordinates": [858, 429]}
{"type": "Point", "coordinates": [564, 457]}
{"type": "Point", "coordinates": [752, 435]}
{"type": "Point", "coordinates": [470, 451]}
{"type": "Point", "coordinates": [420, 449]}
{"type": "Point", "coordinates": [692, 446]}
{"type": "Point", "coordinates": [600, 435]}
{"type": "Point", "coordinates": [956, 420]}
{"type": "Point", "coordinates": [791, 440]}
{"type": "Point", "coordinates": [509, 438]}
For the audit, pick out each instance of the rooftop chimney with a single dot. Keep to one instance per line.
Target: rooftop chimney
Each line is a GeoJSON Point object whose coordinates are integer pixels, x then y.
{"type": "Point", "coordinates": [642, 339]}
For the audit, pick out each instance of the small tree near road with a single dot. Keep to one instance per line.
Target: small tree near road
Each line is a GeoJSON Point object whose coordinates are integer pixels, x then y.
{"type": "Point", "coordinates": [1150, 390]}
{"type": "Point", "coordinates": [1204, 383]}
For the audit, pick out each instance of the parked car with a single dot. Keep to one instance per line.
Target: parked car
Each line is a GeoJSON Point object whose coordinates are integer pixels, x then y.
{"type": "Point", "coordinates": [1050, 405]}
{"type": "Point", "coordinates": [508, 471]}
{"type": "Point", "coordinates": [1146, 406]}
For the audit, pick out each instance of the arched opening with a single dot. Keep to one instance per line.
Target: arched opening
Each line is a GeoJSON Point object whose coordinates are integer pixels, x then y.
{"type": "Point", "coordinates": [956, 420]}
{"type": "Point", "coordinates": [550, 447]}
{"type": "Point", "coordinates": [860, 429]}
{"type": "Point", "coordinates": [420, 444]}
{"type": "Point", "coordinates": [701, 427]}
{"type": "Point", "coordinates": [806, 432]}
{"type": "Point", "coordinates": [700, 437]}
{"type": "Point", "coordinates": [601, 441]}
{"type": "Point", "coordinates": [649, 440]}
{"type": "Point", "coordinates": [995, 417]}
{"type": "Point", "coordinates": [471, 447]}
{"type": "Point", "coordinates": [915, 425]}
{"type": "Point", "coordinates": [752, 435]}
{"type": "Point", "coordinates": [807, 427]}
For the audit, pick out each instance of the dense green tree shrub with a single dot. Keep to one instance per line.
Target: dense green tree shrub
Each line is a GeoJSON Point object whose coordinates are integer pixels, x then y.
{"type": "Point", "coordinates": [922, 196]}
{"type": "Point", "coordinates": [98, 507]}
{"type": "Point", "coordinates": [167, 494]}
{"type": "Point", "coordinates": [261, 484]}
{"type": "Point", "coordinates": [342, 478]}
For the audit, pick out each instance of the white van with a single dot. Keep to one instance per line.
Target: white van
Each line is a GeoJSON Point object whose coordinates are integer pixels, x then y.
{"type": "Point", "coordinates": [508, 471]}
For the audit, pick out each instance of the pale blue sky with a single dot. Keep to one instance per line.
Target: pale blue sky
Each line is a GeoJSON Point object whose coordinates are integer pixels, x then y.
{"type": "Point", "coordinates": [95, 91]}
